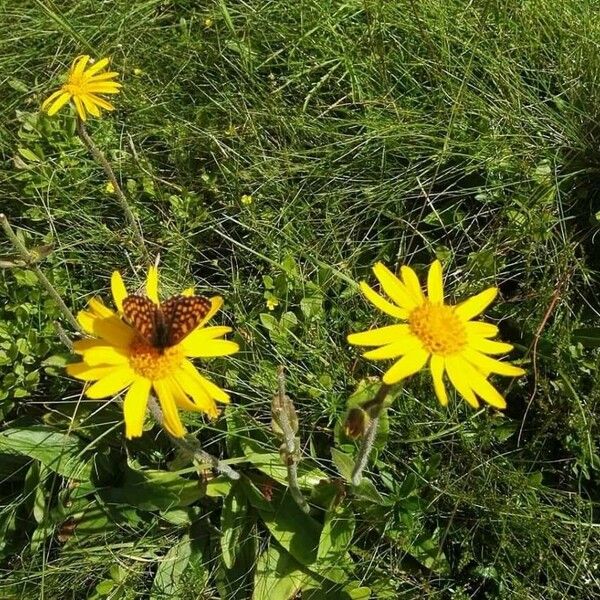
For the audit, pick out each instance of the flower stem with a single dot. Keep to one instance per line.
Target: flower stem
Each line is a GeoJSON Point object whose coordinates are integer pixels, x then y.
{"type": "Point", "coordinates": [373, 407]}
{"type": "Point", "coordinates": [282, 410]}
{"type": "Point", "coordinates": [30, 264]}
{"type": "Point", "coordinates": [191, 446]}
{"type": "Point", "coordinates": [103, 162]}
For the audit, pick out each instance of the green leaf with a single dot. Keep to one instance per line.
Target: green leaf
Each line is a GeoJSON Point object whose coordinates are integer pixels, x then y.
{"type": "Point", "coordinates": [344, 463]}
{"type": "Point", "coordinates": [153, 490]}
{"type": "Point", "coordinates": [233, 515]}
{"type": "Point", "coordinates": [269, 322]}
{"type": "Point", "coordinates": [29, 154]}
{"type": "Point", "coordinates": [167, 581]}
{"type": "Point", "coordinates": [335, 540]}
{"type": "Point", "coordinates": [58, 451]}
{"type": "Point", "coordinates": [589, 337]}
{"type": "Point", "coordinates": [278, 576]}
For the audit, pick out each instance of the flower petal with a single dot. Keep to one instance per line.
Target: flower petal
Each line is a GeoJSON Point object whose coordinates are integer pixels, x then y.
{"type": "Point", "coordinates": [435, 283]}
{"type": "Point", "coordinates": [191, 386]}
{"type": "Point", "coordinates": [119, 291]}
{"type": "Point", "coordinates": [380, 336]}
{"type": "Point", "coordinates": [209, 348]}
{"type": "Point", "coordinates": [413, 285]}
{"type": "Point", "coordinates": [207, 405]}
{"type": "Point", "coordinates": [96, 306]}
{"type": "Point", "coordinates": [436, 365]}
{"type": "Point", "coordinates": [171, 419]}
{"type": "Point", "coordinates": [96, 67]}
{"type": "Point", "coordinates": [53, 96]}
{"type": "Point", "coordinates": [104, 355]}
{"type": "Point", "coordinates": [89, 105]}
{"type": "Point", "coordinates": [103, 76]}
{"type": "Point", "coordinates": [111, 329]}
{"type": "Point", "coordinates": [111, 384]}
{"type": "Point", "coordinates": [134, 407]}
{"type": "Point", "coordinates": [101, 102]}
{"type": "Point", "coordinates": [84, 372]}
{"type": "Point", "coordinates": [216, 303]}
{"type": "Point", "coordinates": [152, 284]}
{"type": "Point", "coordinates": [406, 345]}
{"type": "Point", "coordinates": [489, 346]}
{"type": "Point", "coordinates": [406, 366]}
{"type": "Point", "coordinates": [393, 287]}
{"type": "Point", "coordinates": [80, 346]}
{"type": "Point", "coordinates": [483, 388]}
{"type": "Point", "coordinates": [58, 103]}
{"type": "Point", "coordinates": [476, 305]}
{"type": "Point", "coordinates": [202, 335]}
{"type": "Point", "coordinates": [80, 108]}
{"type": "Point", "coordinates": [479, 328]}
{"type": "Point", "coordinates": [78, 66]}
{"type": "Point", "coordinates": [188, 292]}
{"type": "Point", "coordinates": [214, 391]}
{"type": "Point", "coordinates": [381, 303]}
{"type": "Point", "coordinates": [485, 364]}
{"type": "Point", "coordinates": [460, 381]}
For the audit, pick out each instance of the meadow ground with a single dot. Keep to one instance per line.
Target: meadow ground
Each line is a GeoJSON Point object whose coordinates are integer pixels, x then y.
{"type": "Point", "coordinates": [369, 130]}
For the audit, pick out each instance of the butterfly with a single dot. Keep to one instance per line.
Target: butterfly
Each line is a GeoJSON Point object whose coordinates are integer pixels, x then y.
{"type": "Point", "coordinates": [166, 324]}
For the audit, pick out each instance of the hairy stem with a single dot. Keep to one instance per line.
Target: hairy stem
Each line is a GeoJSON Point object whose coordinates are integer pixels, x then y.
{"type": "Point", "coordinates": [289, 436]}
{"type": "Point", "coordinates": [27, 258]}
{"type": "Point", "coordinates": [191, 446]}
{"type": "Point", "coordinates": [103, 162]}
{"type": "Point", "coordinates": [373, 407]}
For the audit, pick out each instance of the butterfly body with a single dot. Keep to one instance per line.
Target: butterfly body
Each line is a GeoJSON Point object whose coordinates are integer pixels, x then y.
{"type": "Point", "coordinates": [166, 324]}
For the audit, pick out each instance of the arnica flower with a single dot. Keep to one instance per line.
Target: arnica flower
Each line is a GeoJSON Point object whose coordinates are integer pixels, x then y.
{"type": "Point", "coordinates": [118, 358]}
{"type": "Point", "coordinates": [82, 87]}
{"type": "Point", "coordinates": [443, 334]}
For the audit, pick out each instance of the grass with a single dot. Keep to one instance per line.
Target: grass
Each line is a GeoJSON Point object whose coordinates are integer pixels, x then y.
{"type": "Point", "coordinates": [364, 131]}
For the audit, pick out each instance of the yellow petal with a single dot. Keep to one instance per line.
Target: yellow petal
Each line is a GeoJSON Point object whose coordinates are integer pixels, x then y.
{"type": "Point", "coordinates": [96, 67]}
{"type": "Point", "coordinates": [80, 108]}
{"type": "Point", "coordinates": [134, 407]}
{"type": "Point", "coordinates": [215, 304]}
{"type": "Point", "coordinates": [96, 306]}
{"type": "Point", "coordinates": [393, 287]}
{"type": "Point", "coordinates": [86, 373]}
{"type": "Point", "coordinates": [406, 366]}
{"type": "Point", "coordinates": [481, 329]}
{"type": "Point", "coordinates": [413, 286]}
{"type": "Point", "coordinates": [485, 364]}
{"type": "Point", "coordinates": [111, 384]}
{"type": "Point", "coordinates": [152, 284]}
{"type": "Point", "coordinates": [209, 348]}
{"type": "Point", "coordinates": [435, 283]}
{"type": "Point", "coordinates": [89, 105]}
{"type": "Point", "coordinates": [104, 76]}
{"type": "Point", "coordinates": [188, 292]}
{"type": "Point", "coordinates": [101, 102]}
{"type": "Point", "coordinates": [80, 346]}
{"type": "Point", "coordinates": [380, 336]}
{"type": "Point", "coordinates": [112, 329]}
{"type": "Point", "coordinates": [202, 335]}
{"type": "Point", "coordinates": [207, 405]}
{"type": "Point", "coordinates": [191, 386]}
{"type": "Point", "coordinates": [103, 87]}
{"type": "Point", "coordinates": [488, 346]}
{"type": "Point", "coordinates": [59, 103]}
{"type": "Point", "coordinates": [381, 303]}
{"type": "Point", "coordinates": [104, 355]}
{"type": "Point", "coordinates": [79, 65]}
{"type": "Point", "coordinates": [210, 388]}
{"type": "Point", "coordinates": [119, 291]}
{"type": "Point", "coordinates": [476, 305]}
{"type": "Point", "coordinates": [406, 345]}
{"type": "Point", "coordinates": [51, 98]}
{"type": "Point", "coordinates": [171, 420]}
{"type": "Point", "coordinates": [456, 374]}
{"type": "Point", "coordinates": [436, 365]}
{"type": "Point", "coordinates": [482, 387]}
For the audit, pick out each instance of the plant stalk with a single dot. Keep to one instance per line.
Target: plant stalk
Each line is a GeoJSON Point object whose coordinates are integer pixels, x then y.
{"type": "Point", "coordinates": [373, 407]}
{"type": "Point", "coordinates": [29, 262]}
{"type": "Point", "coordinates": [191, 446]}
{"type": "Point", "coordinates": [103, 162]}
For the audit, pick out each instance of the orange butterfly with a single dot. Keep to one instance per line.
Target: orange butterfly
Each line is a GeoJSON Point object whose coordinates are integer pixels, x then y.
{"type": "Point", "coordinates": [166, 324]}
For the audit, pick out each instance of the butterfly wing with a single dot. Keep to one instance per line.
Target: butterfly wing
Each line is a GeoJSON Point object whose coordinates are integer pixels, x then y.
{"type": "Point", "coordinates": [182, 314]}
{"type": "Point", "coordinates": [143, 315]}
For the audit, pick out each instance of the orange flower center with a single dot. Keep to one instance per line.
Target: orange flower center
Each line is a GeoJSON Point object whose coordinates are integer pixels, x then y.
{"type": "Point", "coordinates": [149, 362]}
{"type": "Point", "coordinates": [438, 327]}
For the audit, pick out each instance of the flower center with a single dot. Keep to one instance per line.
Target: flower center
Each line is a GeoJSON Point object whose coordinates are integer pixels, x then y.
{"type": "Point", "coordinates": [149, 362]}
{"type": "Point", "coordinates": [438, 327]}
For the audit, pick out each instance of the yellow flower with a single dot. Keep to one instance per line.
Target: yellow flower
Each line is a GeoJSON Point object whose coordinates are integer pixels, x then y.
{"type": "Point", "coordinates": [83, 87]}
{"type": "Point", "coordinates": [272, 303]}
{"type": "Point", "coordinates": [246, 199]}
{"type": "Point", "coordinates": [443, 334]}
{"type": "Point", "coordinates": [118, 358]}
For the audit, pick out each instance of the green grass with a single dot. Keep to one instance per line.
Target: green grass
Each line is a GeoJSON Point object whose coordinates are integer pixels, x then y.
{"type": "Point", "coordinates": [364, 130]}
